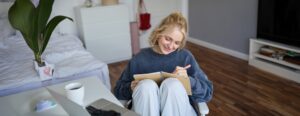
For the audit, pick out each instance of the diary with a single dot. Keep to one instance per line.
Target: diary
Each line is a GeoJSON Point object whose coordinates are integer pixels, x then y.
{"type": "Point", "coordinates": [158, 77]}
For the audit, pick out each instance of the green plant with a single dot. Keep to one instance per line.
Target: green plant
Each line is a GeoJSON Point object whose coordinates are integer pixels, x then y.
{"type": "Point", "coordinates": [33, 24]}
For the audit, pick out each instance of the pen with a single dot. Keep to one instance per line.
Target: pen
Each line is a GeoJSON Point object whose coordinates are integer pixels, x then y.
{"type": "Point", "coordinates": [187, 66]}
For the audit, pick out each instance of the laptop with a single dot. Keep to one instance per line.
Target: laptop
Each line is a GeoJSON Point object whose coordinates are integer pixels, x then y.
{"type": "Point", "coordinates": [74, 109]}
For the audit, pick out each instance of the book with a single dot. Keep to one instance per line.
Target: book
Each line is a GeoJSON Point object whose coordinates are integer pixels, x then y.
{"type": "Point", "coordinates": [158, 77]}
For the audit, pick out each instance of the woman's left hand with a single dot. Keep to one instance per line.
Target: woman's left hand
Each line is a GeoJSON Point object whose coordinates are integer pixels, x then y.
{"type": "Point", "coordinates": [134, 84]}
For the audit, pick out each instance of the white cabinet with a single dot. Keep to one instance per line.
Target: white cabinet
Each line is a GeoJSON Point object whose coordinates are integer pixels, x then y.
{"type": "Point", "coordinates": [276, 66]}
{"type": "Point", "coordinates": [105, 31]}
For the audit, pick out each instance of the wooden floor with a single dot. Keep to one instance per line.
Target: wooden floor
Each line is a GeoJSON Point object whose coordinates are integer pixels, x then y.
{"type": "Point", "coordinates": [239, 89]}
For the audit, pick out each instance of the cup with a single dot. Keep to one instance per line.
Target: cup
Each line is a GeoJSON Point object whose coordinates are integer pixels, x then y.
{"type": "Point", "coordinates": [75, 92]}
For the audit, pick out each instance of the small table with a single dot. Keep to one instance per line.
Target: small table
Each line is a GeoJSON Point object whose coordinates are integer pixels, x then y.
{"type": "Point", "coordinates": [23, 103]}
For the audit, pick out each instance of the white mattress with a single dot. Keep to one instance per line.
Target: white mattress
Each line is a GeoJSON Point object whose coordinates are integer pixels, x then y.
{"type": "Point", "coordinates": [66, 52]}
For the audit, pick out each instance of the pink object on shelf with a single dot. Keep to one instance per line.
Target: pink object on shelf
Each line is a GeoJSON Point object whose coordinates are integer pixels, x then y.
{"type": "Point", "coordinates": [135, 43]}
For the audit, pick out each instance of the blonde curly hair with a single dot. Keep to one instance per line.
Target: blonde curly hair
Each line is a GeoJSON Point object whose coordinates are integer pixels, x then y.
{"type": "Point", "coordinates": [174, 20]}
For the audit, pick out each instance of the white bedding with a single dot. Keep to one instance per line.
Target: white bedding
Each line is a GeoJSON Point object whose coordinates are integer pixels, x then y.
{"type": "Point", "coordinates": [64, 51]}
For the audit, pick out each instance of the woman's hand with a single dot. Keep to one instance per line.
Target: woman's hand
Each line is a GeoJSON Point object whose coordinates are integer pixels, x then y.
{"type": "Point", "coordinates": [181, 70]}
{"type": "Point", "coordinates": [133, 84]}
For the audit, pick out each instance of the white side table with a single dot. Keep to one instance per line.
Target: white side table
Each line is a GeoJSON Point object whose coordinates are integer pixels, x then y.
{"type": "Point", "coordinates": [22, 104]}
{"type": "Point", "coordinates": [94, 90]}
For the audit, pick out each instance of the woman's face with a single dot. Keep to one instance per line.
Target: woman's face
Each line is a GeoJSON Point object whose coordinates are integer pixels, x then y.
{"type": "Point", "coordinates": [170, 41]}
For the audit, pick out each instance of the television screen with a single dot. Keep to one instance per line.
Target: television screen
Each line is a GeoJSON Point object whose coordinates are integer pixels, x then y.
{"type": "Point", "coordinates": [279, 20]}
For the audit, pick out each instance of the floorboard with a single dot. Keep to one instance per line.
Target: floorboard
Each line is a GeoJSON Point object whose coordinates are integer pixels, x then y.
{"type": "Point", "coordinates": [239, 89]}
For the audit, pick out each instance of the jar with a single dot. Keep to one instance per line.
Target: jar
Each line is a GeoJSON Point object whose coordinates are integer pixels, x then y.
{"type": "Point", "coordinates": [109, 2]}
{"type": "Point", "coordinates": [88, 3]}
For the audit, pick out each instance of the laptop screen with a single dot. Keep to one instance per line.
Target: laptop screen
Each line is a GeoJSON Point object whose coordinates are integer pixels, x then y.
{"type": "Point", "coordinates": [104, 105]}
{"type": "Point", "coordinates": [69, 106]}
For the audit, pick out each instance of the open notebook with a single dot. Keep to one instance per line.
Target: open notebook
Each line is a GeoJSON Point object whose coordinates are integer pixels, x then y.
{"type": "Point", "coordinates": [74, 109]}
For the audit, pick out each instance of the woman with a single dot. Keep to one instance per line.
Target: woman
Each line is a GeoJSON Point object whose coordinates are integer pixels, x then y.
{"type": "Point", "coordinates": [166, 54]}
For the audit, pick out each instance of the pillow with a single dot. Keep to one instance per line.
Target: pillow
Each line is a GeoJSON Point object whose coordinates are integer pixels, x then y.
{"type": "Point", "coordinates": [4, 6]}
{"type": "Point", "coordinates": [6, 27]}
{"type": "Point", "coordinates": [6, 30]}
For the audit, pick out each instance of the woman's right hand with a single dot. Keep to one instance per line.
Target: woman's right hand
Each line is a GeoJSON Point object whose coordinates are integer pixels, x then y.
{"type": "Point", "coordinates": [181, 70]}
{"type": "Point", "coordinates": [133, 84]}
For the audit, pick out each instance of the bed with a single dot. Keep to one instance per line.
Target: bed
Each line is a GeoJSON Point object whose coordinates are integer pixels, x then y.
{"type": "Point", "coordinates": [65, 51]}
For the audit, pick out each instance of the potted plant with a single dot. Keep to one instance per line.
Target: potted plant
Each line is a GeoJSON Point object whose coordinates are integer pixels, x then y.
{"type": "Point", "coordinates": [34, 26]}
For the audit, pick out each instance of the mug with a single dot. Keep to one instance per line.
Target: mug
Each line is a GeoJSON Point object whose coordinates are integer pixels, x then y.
{"type": "Point", "coordinates": [75, 92]}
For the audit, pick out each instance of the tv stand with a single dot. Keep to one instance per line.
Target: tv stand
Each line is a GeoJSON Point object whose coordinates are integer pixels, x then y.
{"type": "Point", "coordinates": [286, 67]}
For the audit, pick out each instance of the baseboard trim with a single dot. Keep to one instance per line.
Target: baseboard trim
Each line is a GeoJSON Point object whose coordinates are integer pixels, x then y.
{"type": "Point", "coordinates": [219, 48]}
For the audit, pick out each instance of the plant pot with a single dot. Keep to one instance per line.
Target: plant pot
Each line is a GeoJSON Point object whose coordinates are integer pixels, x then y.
{"type": "Point", "coordinates": [45, 72]}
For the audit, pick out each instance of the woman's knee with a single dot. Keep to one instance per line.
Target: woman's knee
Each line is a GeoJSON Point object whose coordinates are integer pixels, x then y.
{"type": "Point", "coordinates": [147, 85]}
{"type": "Point", "coordinates": [171, 84]}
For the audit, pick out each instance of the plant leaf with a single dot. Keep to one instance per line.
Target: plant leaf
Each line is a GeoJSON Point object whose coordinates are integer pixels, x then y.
{"type": "Point", "coordinates": [44, 9]}
{"type": "Point", "coordinates": [43, 12]}
{"type": "Point", "coordinates": [50, 27]}
{"type": "Point", "coordinates": [21, 17]}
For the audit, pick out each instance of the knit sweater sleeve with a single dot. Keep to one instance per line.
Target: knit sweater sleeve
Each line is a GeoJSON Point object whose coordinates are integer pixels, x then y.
{"type": "Point", "coordinates": [202, 88]}
{"type": "Point", "coordinates": [122, 90]}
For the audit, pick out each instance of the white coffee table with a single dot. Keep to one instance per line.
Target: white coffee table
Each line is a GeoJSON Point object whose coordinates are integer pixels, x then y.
{"type": "Point", "coordinates": [23, 103]}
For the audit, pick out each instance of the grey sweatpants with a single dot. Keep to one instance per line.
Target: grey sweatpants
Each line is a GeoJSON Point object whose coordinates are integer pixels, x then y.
{"type": "Point", "coordinates": [170, 99]}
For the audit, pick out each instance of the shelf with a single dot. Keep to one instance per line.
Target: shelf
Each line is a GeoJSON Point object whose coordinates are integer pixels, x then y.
{"type": "Point", "coordinates": [281, 68]}
{"type": "Point", "coordinates": [277, 45]}
{"type": "Point", "coordinates": [277, 69]}
{"type": "Point", "coordinates": [282, 62]}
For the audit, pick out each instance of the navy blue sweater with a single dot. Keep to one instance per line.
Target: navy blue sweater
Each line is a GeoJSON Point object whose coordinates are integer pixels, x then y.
{"type": "Point", "coordinates": [148, 61]}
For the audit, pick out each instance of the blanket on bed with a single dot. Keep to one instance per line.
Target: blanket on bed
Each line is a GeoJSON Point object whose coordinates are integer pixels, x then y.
{"type": "Point", "coordinates": [66, 52]}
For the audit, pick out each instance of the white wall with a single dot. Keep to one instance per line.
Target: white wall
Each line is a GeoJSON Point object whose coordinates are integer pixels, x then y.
{"type": "Point", "coordinates": [224, 23]}
{"type": "Point", "coordinates": [66, 7]}
{"type": "Point", "coordinates": [158, 10]}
